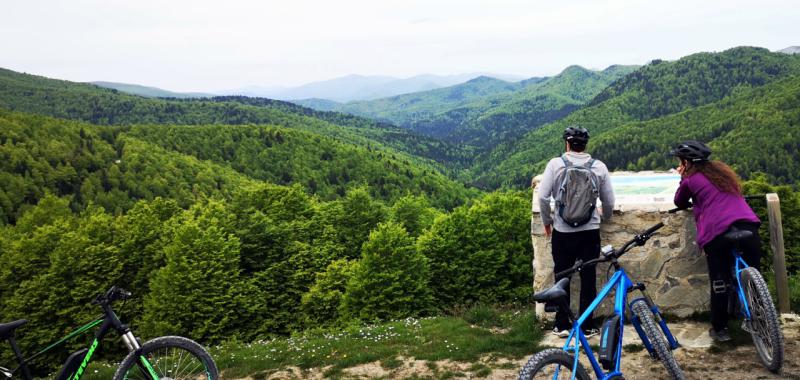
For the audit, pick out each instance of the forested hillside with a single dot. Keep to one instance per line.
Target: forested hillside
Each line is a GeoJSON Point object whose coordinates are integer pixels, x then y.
{"type": "Point", "coordinates": [485, 111]}
{"type": "Point", "coordinates": [661, 91]}
{"type": "Point", "coordinates": [86, 102]}
{"type": "Point", "coordinates": [115, 166]}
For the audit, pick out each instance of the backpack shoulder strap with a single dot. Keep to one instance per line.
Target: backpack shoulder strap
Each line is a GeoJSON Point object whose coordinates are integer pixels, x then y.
{"type": "Point", "coordinates": [567, 163]}
{"type": "Point", "coordinates": [588, 164]}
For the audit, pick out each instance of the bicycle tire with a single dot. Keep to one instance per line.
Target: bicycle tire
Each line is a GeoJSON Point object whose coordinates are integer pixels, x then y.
{"type": "Point", "coordinates": [657, 339]}
{"type": "Point", "coordinates": [551, 356]}
{"type": "Point", "coordinates": [765, 320]}
{"type": "Point", "coordinates": [160, 353]}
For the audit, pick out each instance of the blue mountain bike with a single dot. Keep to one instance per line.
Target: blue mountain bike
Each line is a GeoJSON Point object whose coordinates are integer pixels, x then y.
{"type": "Point", "coordinates": [754, 305]}
{"type": "Point", "coordinates": [563, 363]}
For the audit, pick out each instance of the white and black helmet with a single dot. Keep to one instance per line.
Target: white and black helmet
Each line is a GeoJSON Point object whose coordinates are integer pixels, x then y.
{"type": "Point", "coordinates": [576, 136]}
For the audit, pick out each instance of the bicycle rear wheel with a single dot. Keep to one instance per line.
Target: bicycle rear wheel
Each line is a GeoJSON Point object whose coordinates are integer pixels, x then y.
{"type": "Point", "coordinates": [552, 364]}
{"type": "Point", "coordinates": [169, 358]}
{"type": "Point", "coordinates": [763, 325]}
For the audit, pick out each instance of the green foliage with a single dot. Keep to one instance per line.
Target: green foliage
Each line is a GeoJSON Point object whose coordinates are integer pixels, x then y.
{"type": "Point", "coordinates": [207, 301]}
{"type": "Point", "coordinates": [73, 259]}
{"type": "Point", "coordinates": [391, 279]}
{"type": "Point", "coordinates": [486, 111]}
{"type": "Point", "coordinates": [482, 315]}
{"type": "Point", "coordinates": [359, 215]}
{"type": "Point", "coordinates": [752, 130]}
{"type": "Point", "coordinates": [726, 96]}
{"type": "Point", "coordinates": [790, 219]}
{"type": "Point", "coordinates": [113, 167]}
{"type": "Point", "coordinates": [93, 164]}
{"type": "Point", "coordinates": [321, 303]}
{"type": "Point", "coordinates": [480, 252]}
{"type": "Point", "coordinates": [324, 166]}
{"type": "Point", "coordinates": [96, 105]}
{"type": "Point", "coordinates": [414, 213]}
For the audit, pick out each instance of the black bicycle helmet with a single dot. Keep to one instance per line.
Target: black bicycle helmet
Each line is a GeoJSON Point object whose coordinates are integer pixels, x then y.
{"type": "Point", "coordinates": [691, 150]}
{"type": "Point", "coordinates": [576, 136]}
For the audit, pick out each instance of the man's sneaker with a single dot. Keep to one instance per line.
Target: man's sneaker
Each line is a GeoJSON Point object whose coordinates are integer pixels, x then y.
{"type": "Point", "coordinates": [591, 332]}
{"type": "Point", "coordinates": [719, 336]}
{"type": "Point", "coordinates": [560, 333]}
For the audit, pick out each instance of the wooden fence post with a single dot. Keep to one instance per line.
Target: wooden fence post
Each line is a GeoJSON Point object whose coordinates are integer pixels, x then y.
{"type": "Point", "coordinates": [778, 254]}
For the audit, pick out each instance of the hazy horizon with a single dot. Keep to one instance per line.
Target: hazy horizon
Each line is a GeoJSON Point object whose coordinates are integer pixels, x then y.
{"type": "Point", "coordinates": [205, 46]}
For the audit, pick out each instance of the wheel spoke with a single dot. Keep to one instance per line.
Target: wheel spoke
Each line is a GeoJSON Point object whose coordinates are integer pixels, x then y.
{"type": "Point", "coordinates": [173, 363]}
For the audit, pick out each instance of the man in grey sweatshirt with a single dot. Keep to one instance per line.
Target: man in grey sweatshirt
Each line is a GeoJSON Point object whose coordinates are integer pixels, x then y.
{"type": "Point", "coordinates": [573, 243]}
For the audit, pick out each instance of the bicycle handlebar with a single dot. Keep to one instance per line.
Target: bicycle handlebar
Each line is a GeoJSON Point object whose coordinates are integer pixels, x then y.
{"type": "Point", "coordinates": [113, 294]}
{"type": "Point", "coordinates": [637, 240]}
{"type": "Point", "coordinates": [676, 209]}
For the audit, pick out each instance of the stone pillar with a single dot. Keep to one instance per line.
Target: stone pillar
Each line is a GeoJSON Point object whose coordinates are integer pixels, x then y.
{"type": "Point", "coordinates": [670, 264]}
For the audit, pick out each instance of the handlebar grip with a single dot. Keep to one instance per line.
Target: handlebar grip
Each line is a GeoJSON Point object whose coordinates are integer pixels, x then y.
{"type": "Point", "coordinates": [653, 229]}
{"type": "Point", "coordinates": [676, 209]}
{"type": "Point", "coordinates": [570, 270]}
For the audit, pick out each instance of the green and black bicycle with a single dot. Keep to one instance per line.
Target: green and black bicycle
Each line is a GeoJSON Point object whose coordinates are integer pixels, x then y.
{"type": "Point", "coordinates": [163, 358]}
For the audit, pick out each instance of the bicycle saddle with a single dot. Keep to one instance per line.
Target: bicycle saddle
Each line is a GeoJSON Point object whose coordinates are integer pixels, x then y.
{"type": "Point", "coordinates": [554, 292]}
{"type": "Point", "coordinates": [6, 329]}
{"type": "Point", "coordinates": [735, 236]}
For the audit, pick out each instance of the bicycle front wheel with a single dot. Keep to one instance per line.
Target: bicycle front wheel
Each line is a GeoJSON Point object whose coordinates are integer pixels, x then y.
{"type": "Point", "coordinates": [168, 358]}
{"type": "Point", "coordinates": [656, 337]}
{"type": "Point", "coordinates": [763, 325]}
{"type": "Point", "coordinates": [552, 364]}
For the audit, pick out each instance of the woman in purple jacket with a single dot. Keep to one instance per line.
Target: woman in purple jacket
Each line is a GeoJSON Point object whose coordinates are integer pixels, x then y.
{"type": "Point", "coordinates": [712, 189]}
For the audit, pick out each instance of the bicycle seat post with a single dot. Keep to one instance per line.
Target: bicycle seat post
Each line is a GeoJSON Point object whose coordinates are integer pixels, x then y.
{"type": "Point", "coordinates": [26, 373]}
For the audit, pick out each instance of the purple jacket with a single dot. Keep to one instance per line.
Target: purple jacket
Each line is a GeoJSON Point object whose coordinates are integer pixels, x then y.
{"type": "Point", "coordinates": [714, 210]}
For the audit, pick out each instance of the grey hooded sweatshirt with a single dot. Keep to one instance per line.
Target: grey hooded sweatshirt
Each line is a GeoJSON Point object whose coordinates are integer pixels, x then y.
{"type": "Point", "coordinates": [548, 188]}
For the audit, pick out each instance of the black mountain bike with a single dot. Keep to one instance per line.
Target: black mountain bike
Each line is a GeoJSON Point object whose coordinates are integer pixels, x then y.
{"type": "Point", "coordinates": [163, 358]}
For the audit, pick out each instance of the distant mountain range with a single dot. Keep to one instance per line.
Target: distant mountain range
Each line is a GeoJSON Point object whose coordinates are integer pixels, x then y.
{"type": "Point", "coordinates": [485, 111]}
{"type": "Point", "coordinates": [361, 87]}
{"type": "Point", "coordinates": [790, 50]}
{"type": "Point", "coordinates": [323, 94]}
{"type": "Point", "coordinates": [150, 92]}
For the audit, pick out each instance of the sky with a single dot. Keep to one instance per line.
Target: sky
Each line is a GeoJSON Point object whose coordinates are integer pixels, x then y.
{"type": "Point", "coordinates": [204, 45]}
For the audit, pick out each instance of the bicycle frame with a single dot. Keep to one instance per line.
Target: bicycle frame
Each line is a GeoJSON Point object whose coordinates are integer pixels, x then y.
{"type": "Point", "coordinates": [739, 266]}
{"type": "Point", "coordinates": [106, 322]}
{"type": "Point", "coordinates": [622, 284]}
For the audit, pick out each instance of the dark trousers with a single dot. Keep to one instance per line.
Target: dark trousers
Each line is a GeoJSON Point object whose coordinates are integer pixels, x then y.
{"type": "Point", "coordinates": [568, 247]}
{"type": "Point", "coordinates": [720, 270]}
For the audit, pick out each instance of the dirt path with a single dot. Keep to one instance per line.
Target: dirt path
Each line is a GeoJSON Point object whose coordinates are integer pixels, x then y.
{"type": "Point", "coordinates": [697, 357]}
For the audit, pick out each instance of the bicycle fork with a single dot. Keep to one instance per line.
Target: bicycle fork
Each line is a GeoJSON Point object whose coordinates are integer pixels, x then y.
{"type": "Point", "coordinates": [662, 323]}
{"type": "Point", "coordinates": [142, 363]}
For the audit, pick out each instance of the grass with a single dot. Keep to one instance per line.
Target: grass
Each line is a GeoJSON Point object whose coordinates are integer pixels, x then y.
{"type": "Point", "coordinates": [430, 339]}
{"type": "Point", "coordinates": [480, 330]}
{"type": "Point", "coordinates": [482, 315]}
{"type": "Point", "coordinates": [633, 347]}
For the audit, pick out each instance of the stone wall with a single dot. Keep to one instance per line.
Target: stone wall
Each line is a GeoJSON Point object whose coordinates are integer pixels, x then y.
{"type": "Point", "coordinates": [670, 264]}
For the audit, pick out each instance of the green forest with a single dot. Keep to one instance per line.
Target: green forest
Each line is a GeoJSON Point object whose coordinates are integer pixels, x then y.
{"type": "Point", "coordinates": [484, 111]}
{"type": "Point", "coordinates": [279, 219]}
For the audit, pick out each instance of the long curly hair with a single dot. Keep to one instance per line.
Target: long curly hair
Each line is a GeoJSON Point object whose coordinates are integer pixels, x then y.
{"type": "Point", "coordinates": [718, 173]}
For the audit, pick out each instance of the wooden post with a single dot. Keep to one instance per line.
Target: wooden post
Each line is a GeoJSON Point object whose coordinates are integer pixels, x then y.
{"type": "Point", "coordinates": [778, 254]}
